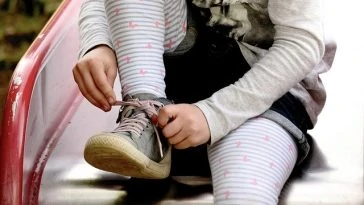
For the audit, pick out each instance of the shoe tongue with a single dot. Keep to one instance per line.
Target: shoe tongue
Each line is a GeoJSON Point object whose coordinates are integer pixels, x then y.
{"type": "Point", "coordinates": [140, 96]}
{"type": "Point", "coordinates": [130, 110]}
{"type": "Point", "coordinates": [148, 96]}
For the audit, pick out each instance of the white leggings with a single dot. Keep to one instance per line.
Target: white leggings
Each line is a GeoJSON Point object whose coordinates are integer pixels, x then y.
{"type": "Point", "coordinates": [141, 31]}
{"type": "Point", "coordinates": [252, 163]}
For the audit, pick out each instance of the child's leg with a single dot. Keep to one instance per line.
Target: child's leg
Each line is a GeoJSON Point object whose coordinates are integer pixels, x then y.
{"type": "Point", "coordinates": [141, 31]}
{"type": "Point", "coordinates": [252, 163]}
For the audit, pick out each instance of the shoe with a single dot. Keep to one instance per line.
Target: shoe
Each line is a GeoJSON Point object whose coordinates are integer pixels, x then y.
{"type": "Point", "coordinates": [135, 148]}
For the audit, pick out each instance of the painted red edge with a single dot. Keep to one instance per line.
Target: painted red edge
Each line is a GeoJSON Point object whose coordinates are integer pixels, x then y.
{"type": "Point", "coordinates": [12, 134]}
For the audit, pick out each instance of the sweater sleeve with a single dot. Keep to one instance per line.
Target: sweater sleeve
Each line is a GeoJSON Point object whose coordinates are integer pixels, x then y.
{"type": "Point", "coordinates": [93, 26]}
{"type": "Point", "coordinates": [297, 48]}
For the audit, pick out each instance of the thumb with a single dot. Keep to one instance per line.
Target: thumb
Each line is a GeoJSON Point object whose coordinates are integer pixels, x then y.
{"type": "Point", "coordinates": [167, 114]}
{"type": "Point", "coordinates": [111, 76]}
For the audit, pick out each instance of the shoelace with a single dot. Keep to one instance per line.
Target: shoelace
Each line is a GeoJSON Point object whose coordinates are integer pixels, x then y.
{"type": "Point", "coordinates": [137, 121]}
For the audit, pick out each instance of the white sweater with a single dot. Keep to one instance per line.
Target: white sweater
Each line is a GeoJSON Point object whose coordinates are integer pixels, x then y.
{"type": "Point", "coordinates": [293, 64]}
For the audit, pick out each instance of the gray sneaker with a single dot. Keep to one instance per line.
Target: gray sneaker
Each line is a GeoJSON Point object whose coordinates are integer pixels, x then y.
{"type": "Point", "coordinates": [135, 148]}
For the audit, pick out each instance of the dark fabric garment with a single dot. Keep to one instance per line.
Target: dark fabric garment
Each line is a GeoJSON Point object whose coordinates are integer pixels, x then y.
{"type": "Point", "coordinates": [291, 108]}
{"type": "Point", "coordinates": [214, 62]}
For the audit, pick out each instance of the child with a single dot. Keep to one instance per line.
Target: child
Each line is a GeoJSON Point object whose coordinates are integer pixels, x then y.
{"type": "Point", "coordinates": [259, 94]}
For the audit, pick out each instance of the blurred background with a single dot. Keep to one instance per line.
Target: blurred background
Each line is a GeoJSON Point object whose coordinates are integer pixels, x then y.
{"type": "Point", "coordinates": [20, 22]}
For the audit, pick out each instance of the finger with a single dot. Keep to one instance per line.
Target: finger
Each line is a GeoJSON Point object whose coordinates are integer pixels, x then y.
{"type": "Point", "coordinates": [166, 114]}
{"type": "Point", "coordinates": [184, 144]}
{"type": "Point", "coordinates": [178, 138]}
{"type": "Point", "coordinates": [94, 92]}
{"type": "Point", "coordinates": [111, 76]}
{"type": "Point", "coordinates": [172, 129]}
{"type": "Point", "coordinates": [103, 84]}
{"type": "Point", "coordinates": [82, 88]}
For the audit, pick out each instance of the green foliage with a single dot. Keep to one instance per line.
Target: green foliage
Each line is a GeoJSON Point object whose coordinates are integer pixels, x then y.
{"type": "Point", "coordinates": [20, 22]}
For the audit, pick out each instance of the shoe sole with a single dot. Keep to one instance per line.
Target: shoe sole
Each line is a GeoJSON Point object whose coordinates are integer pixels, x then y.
{"type": "Point", "coordinates": [117, 155]}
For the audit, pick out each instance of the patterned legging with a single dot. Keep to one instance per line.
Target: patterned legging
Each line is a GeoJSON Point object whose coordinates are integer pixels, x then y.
{"type": "Point", "coordinates": [141, 31]}
{"type": "Point", "coordinates": [252, 163]}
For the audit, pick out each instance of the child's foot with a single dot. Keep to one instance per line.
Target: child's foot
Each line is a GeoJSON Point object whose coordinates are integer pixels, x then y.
{"type": "Point", "coordinates": [134, 148]}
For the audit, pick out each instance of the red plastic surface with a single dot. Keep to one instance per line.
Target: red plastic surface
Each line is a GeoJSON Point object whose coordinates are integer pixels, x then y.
{"type": "Point", "coordinates": [16, 110]}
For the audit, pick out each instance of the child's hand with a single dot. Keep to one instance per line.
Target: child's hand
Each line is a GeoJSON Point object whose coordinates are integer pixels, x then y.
{"type": "Point", "coordinates": [95, 74]}
{"type": "Point", "coordinates": [184, 125]}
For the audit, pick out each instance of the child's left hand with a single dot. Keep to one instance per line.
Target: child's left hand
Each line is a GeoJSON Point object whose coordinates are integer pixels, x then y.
{"type": "Point", "coordinates": [184, 125]}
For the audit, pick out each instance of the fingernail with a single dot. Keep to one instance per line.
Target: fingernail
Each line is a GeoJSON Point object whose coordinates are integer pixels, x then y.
{"type": "Point", "coordinates": [154, 119]}
{"type": "Point", "coordinates": [111, 100]}
{"type": "Point", "coordinates": [106, 108]}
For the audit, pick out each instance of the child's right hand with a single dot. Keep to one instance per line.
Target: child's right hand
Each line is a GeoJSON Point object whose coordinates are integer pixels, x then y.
{"type": "Point", "coordinates": [95, 75]}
